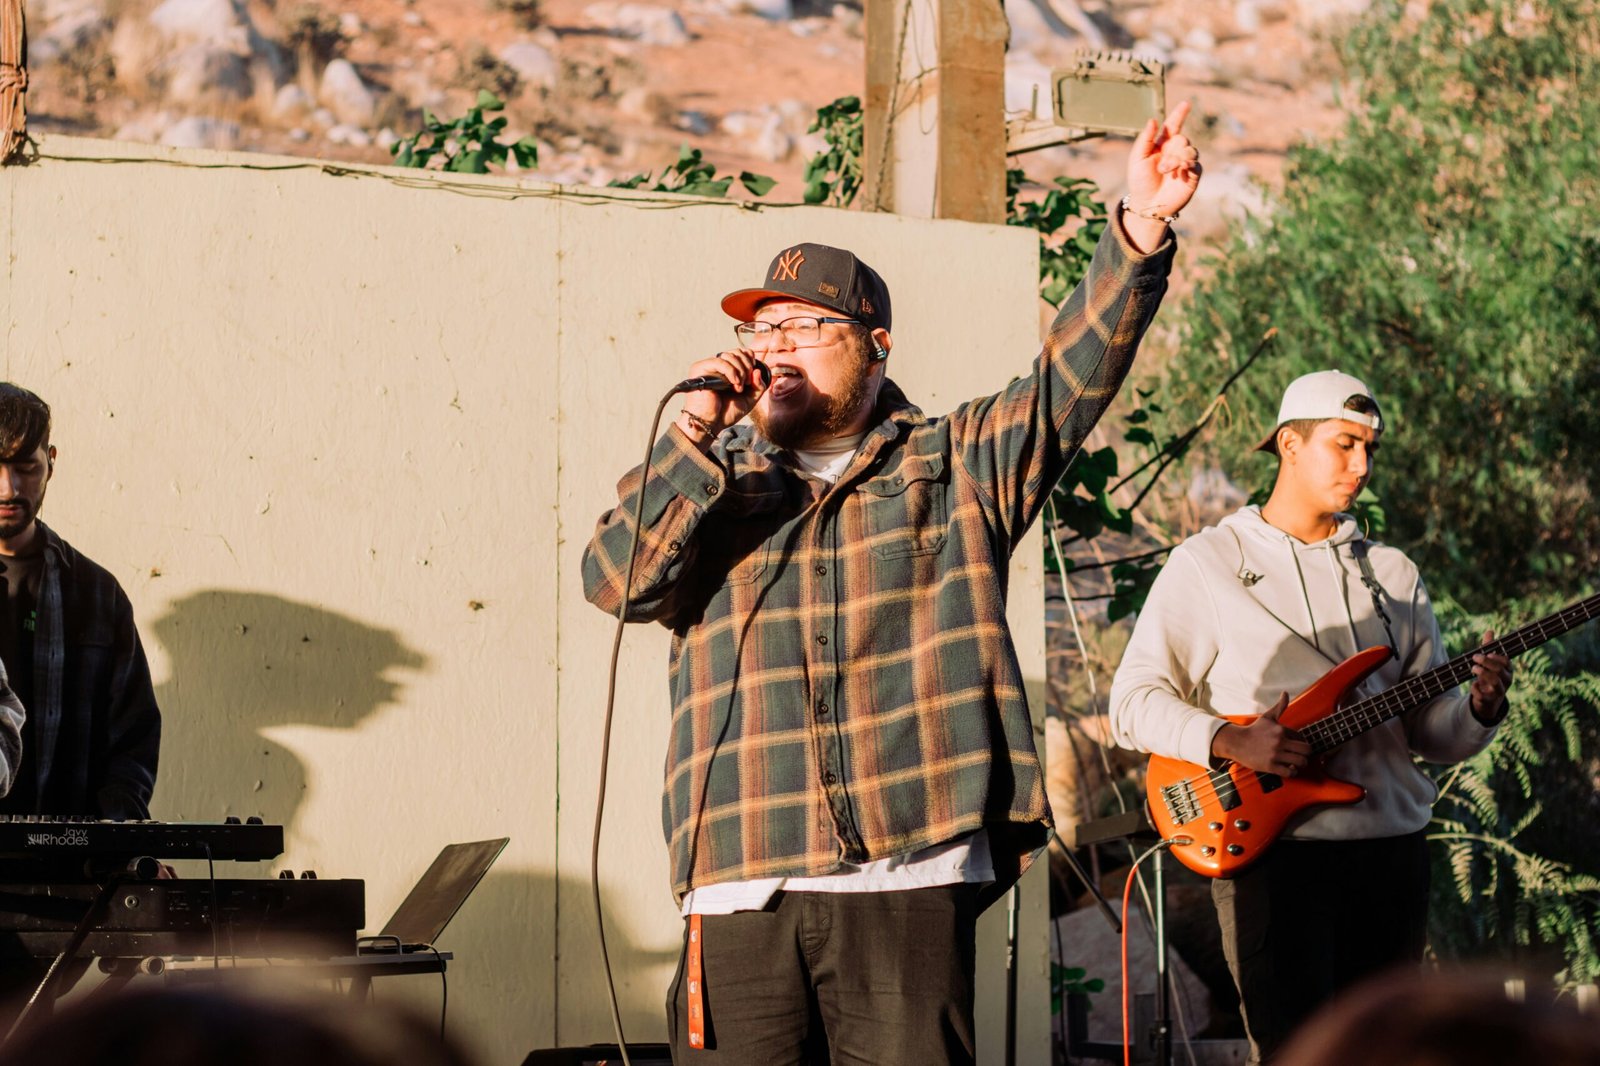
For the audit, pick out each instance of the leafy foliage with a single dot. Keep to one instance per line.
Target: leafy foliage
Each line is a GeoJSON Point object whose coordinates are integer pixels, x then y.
{"type": "Point", "coordinates": [692, 175]}
{"type": "Point", "coordinates": [1517, 866]}
{"type": "Point", "coordinates": [1064, 249]}
{"type": "Point", "coordinates": [1067, 980]}
{"type": "Point", "coordinates": [833, 175]}
{"type": "Point", "coordinates": [468, 145]}
{"type": "Point", "coordinates": [1446, 247]}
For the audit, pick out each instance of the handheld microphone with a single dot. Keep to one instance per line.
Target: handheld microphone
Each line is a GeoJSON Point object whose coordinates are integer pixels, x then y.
{"type": "Point", "coordinates": [714, 383]}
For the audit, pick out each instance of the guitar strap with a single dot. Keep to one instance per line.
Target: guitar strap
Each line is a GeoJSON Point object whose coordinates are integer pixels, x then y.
{"type": "Point", "coordinates": [1358, 548]}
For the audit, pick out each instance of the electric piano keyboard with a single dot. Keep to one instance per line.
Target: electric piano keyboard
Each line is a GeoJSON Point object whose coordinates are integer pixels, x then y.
{"type": "Point", "coordinates": [46, 837]}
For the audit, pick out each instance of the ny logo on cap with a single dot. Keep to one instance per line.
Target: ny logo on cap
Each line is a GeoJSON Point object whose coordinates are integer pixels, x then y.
{"type": "Point", "coordinates": [866, 306]}
{"type": "Point", "coordinates": [788, 266]}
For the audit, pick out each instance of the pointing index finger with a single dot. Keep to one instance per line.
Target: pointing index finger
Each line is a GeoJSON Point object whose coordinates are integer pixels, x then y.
{"type": "Point", "coordinates": [1176, 117]}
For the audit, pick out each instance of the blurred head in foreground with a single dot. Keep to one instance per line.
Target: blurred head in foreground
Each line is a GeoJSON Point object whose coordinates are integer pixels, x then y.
{"type": "Point", "coordinates": [1460, 1019]}
{"type": "Point", "coordinates": [229, 1024]}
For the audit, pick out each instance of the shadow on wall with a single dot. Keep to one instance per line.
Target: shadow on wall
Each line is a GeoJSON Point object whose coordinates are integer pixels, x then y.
{"type": "Point", "coordinates": [245, 662]}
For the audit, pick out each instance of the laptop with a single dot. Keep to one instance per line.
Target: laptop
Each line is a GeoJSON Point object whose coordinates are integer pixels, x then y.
{"type": "Point", "coordinates": [435, 898]}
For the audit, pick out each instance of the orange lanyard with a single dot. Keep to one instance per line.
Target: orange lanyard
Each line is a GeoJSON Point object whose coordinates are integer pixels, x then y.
{"type": "Point", "coordinates": [697, 994]}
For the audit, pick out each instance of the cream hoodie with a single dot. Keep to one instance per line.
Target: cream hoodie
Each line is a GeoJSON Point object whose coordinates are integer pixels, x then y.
{"type": "Point", "coordinates": [1243, 612]}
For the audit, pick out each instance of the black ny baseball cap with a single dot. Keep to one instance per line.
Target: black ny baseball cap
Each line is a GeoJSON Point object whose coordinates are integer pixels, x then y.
{"type": "Point", "coordinates": [816, 273]}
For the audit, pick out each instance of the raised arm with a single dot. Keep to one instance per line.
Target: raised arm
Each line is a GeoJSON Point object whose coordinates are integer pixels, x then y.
{"type": "Point", "coordinates": [1016, 444]}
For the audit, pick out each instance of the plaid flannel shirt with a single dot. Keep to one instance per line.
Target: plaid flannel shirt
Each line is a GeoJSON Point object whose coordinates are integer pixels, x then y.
{"type": "Point", "coordinates": [844, 685]}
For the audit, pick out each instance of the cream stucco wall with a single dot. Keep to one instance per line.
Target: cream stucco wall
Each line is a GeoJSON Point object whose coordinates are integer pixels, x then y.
{"type": "Point", "coordinates": [343, 436]}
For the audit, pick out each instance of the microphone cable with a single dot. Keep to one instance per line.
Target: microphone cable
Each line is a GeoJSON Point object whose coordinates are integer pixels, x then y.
{"type": "Point", "coordinates": [716, 384]}
{"type": "Point", "coordinates": [605, 731]}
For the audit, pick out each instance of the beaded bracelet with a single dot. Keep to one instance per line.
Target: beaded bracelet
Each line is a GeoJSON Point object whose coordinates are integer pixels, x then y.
{"type": "Point", "coordinates": [698, 423]}
{"type": "Point", "coordinates": [1127, 205]}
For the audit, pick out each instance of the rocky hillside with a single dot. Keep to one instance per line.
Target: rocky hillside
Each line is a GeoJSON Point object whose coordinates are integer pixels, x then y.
{"type": "Point", "coordinates": [610, 88]}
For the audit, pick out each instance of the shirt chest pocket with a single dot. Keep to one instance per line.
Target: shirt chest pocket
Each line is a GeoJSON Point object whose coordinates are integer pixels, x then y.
{"type": "Point", "coordinates": [745, 529]}
{"type": "Point", "coordinates": [906, 510]}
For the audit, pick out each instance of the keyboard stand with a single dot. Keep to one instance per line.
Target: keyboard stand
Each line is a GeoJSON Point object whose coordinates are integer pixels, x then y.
{"type": "Point", "coordinates": [360, 969]}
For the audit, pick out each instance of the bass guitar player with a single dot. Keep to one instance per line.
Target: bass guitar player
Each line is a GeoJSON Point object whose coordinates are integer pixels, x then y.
{"type": "Point", "coordinates": [1248, 613]}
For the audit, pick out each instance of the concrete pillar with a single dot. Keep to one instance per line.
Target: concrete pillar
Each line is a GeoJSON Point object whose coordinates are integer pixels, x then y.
{"type": "Point", "coordinates": [935, 136]}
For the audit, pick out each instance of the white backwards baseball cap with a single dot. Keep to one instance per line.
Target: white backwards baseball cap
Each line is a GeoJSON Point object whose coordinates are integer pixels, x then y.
{"type": "Point", "coordinates": [1322, 395]}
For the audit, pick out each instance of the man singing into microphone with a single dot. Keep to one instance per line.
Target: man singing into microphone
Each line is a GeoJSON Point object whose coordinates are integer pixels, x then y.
{"type": "Point", "coordinates": [851, 776]}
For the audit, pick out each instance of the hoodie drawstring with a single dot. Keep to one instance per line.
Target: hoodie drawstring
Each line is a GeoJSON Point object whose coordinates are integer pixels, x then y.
{"type": "Point", "coordinates": [1341, 578]}
{"type": "Point", "coordinates": [1305, 593]}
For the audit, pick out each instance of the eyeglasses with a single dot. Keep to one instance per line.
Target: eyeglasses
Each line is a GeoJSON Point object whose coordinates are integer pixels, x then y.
{"type": "Point", "coordinates": [803, 331]}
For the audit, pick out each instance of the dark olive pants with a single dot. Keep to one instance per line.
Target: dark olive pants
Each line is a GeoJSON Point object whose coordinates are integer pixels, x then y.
{"type": "Point", "coordinates": [1312, 918]}
{"type": "Point", "coordinates": [847, 979]}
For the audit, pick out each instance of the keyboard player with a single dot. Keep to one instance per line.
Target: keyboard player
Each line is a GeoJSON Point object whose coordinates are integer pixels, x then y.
{"type": "Point", "coordinates": [92, 730]}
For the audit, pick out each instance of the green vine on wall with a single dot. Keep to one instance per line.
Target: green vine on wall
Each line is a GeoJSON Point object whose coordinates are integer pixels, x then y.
{"type": "Point", "coordinates": [693, 176]}
{"type": "Point", "coordinates": [467, 145]}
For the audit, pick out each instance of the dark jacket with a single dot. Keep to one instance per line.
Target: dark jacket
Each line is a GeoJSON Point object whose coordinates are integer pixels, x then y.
{"type": "Point", "coordinates": [96, 727]}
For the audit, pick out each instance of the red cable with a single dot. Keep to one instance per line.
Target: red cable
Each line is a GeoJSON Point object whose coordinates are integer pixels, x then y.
{"type": "Point", "coordinates": [1127, 893]}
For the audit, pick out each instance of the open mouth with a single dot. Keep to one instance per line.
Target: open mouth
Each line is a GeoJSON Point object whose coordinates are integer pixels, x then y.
{"type": "Point", "coordinates": [785, 380]}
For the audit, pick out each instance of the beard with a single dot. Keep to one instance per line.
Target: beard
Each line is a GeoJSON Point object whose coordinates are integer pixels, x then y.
{"type": "Point", "coordinates": [30, 511]}
{"type": "Point", "coordinates": [822, 416]}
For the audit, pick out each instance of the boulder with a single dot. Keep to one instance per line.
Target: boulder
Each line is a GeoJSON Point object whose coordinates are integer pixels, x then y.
{"type": "Point", "coordinates": [1314, 13]}
{"type": "Point", "coordinates": [1247, 17]}
{"type": "Point", "coordinates": [202, 73]}
{"type": "Point", "coordinates": [646, 104]}
{"type": "Point", "coordinates": [200, 131]}
{"type": "Point", "coordinates": [642, 23]}
{"type": "Point", "coordinates": [773, 10]}
{"type": "Point", "coordinates": [222, 23]}
{"type": "Point", "coordinates": [291, 103]}
{"type": "Point", "coordinates": [144, 129]}
{"type": "Point", "coordinates": [345, 94]}
{"type": "Point", "coordinates": [186, 43]}
{"type": "Point", "coordinates": [694, 123]}
{"type": "Point", "coordinates": [354, 136]}
{"type": "Point", "coordinates": [1231, 194]}
{"type": "Point", "coordinates": [534, 64]}
{"type": "Point", "coordinates": [68, 25]}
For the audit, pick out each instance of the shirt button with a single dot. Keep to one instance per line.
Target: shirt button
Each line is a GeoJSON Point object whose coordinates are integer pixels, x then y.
{"type": "Point", "coordinates": [674, 546]}
{"type": "Point", "coordinates": [711, 489]}
{"type": "Point", "coordinates": [829, 779]}
{"type": "Point", "coordinates": [822, 568]}
{"type": "Point", "coordinates": [822, 638]}
{"type": "Point", "coordinates": [822, 710]}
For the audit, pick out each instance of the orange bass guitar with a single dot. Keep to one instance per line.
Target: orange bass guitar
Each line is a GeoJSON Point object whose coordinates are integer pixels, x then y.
{"type": "Point", "coordinates": [1228, 818]}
